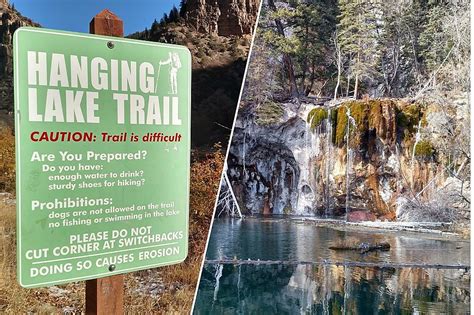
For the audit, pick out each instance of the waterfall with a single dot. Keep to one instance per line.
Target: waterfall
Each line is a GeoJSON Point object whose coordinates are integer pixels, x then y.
{"type": "Point", "coordinates": [417, 140]}
{"type": "Point", "coordinates": [308, 149]}
{"type": "Point", "coordinates": [329, 154]}
{"type": "Point", "coordinates": [349, 158]}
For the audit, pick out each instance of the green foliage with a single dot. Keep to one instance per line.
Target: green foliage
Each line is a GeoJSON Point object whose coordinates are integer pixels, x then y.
{"type": "Point", "coordinates": [434, 46]}
{"type": "Point", "coordinates": [424, 149]}
{"type": "Point", "coordinates": [408, 119]}
{"type": "Point", "coordinates": [285, 45]}
{"type": "Point", "coordinates": [359, 111]}
{"type": "Point", "coordinates": [367, 115]}
{"type": "Point", "coordinates": [341, 126]}
{"type": "Point", "coordinates": [316, 116]}
{"type": "Point", "coordinates": [217, 45]}
{"type": "Point", "coordinates": [357, 37]}
{"type": "Point", "coordinates": [269, 113]}
{"type": "Point", "coordinates": [399, 45]}
{"type": "Point", "coordinates": [306, 40]}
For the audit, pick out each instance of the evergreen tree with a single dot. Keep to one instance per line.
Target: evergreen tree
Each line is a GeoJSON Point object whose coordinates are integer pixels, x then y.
{"type": "Point", "coordinates": [358, 39]}
{"type": "Point", "coordinates": [164, 19]}
{"type": "Point", "coordinates": [155, 26]}
{"type": "Point", "coordinates": [146, 33]}
{"type": "Point", "coordinates": [313, 24]}
{"type": "Point", "coordinates": [434, 45]}
{"type": "Point", "coordinates": [174, 15]}
{"type": "Point", "coordinates": [285, 45]}
{"type": "Point", "coordinates": [402, 24]}
{"type": "Point", "coordinates": [183, 8]}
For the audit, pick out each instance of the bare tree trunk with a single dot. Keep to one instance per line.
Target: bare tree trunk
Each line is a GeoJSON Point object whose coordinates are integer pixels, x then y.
{"type": "Point", "coordinates": [349, 77]}
{"type": "Point", "coordinates": [356, 86]}
{"type": "Point", "coordinates": [291, 76]}
{"type": "Point", "coordinates": [311, 79]}
{"type": "Point", "coordinates": [348, 85]}
{"type": "Point", "coordinates": [304, 69]}
{"type": "Point", "coordinates": [338, 54]}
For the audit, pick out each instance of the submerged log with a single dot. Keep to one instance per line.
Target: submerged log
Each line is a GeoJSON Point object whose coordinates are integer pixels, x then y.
{"type": "Point", "coordinates": [363, 247]}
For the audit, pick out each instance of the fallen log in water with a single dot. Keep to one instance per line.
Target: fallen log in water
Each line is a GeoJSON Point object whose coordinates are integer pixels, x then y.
{"type": "Point", "coordinates": [335, 263]}
{"type": "Point", "coordinates": [363, 247]}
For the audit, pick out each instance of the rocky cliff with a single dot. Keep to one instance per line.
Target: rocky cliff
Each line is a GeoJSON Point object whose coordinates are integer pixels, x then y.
{"type": "Point", "coordinates": [354, 157]}
{"type": "Point", "coordinates": [10, 20]}
{"type": "Point", "coordinates": [222, 17]}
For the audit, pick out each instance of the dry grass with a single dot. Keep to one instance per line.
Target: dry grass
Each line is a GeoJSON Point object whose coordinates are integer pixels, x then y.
{"type": "Point", "coordinates": [7, 159]}
{"type": "Point", "coordinates": [17, 300]}
{"type": "Point", "coordinates": [166, 290]}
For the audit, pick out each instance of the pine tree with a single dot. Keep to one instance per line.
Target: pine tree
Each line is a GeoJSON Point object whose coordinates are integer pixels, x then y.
{"type": "Point", "coordinates": [402, 24]}
{"type": "Point", "coordinates": [358, 38]}
{"type": "Point", "coordinates": [174, 15]}
{"type": "Point", "coordinates": [313, 24]}
{"type": "Point", "coordinates": [285, 45]}
{"type": "Point", "coordinates": [434, 45]}
{"type": "Point", "coordinates": [155, 26]}
{"type": "Point", "coordinates": [165, 19]}
{"type": "Point", "coordinates": [183, 8]}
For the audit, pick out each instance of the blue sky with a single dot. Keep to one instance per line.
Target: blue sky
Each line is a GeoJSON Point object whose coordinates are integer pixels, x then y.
{"type": "Point", "coordinates": [74, 15]}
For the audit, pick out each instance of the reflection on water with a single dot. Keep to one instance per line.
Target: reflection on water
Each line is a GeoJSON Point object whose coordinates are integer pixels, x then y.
{"type": "Point", "coordinates": [294, 289]}
{"type": "Point", "coordinates": [294, 240]}
{"type": "Point", "coordinates": [326, 288]}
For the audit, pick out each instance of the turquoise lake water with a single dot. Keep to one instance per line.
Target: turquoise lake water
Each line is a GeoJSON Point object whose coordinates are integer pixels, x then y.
{"type": "Point", "coordinates": [322, 287]}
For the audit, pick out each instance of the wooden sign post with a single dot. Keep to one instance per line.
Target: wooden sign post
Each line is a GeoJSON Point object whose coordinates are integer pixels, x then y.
{"type": "Point", "coordinates": [105, 295]}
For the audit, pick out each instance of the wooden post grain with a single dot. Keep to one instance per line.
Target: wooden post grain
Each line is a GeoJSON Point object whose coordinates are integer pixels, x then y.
{"type": "Point", "coordinates": [104, 296]}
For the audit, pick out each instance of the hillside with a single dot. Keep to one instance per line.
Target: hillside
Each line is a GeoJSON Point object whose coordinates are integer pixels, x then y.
{"type": "Point", "coordinates": [218, 35]}
{"type": "Point", "coordinates": [10, 21]}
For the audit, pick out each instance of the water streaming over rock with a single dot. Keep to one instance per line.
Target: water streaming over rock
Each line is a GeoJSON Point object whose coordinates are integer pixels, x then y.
{"type": "Point", "coordinates": [305, 154]}
{"type": "Point", "coordinates": [358, 156]}
{"type": "Point", "coordinates": [329, 158]}
{"type": "Point", "coordinates": [417, 140]}
{"type": "Point", "coordinates": [351, 124]}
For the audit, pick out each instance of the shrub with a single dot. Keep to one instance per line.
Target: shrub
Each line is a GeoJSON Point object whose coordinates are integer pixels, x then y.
{"type": "Point", "coordinates": [341, 125]}
{"type": "Point", "coordinates": [7, 160]}
{"type": "Point", "coordinates": [424, 149]}
{"type": "Point", "coordinates": [316, 116]}
{"type": "Point", "coordinates": [408, 118]}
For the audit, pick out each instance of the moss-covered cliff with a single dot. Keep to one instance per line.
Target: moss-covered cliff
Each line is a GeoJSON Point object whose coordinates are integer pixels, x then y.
{"type": "Point", "coordinates": [354, 155]}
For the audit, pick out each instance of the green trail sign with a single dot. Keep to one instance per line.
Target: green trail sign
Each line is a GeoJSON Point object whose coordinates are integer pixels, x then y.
{"type": "Point", "coordinates": [103, 154]}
